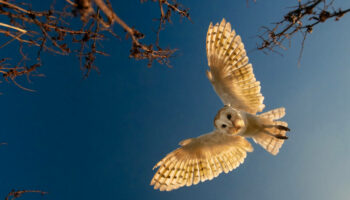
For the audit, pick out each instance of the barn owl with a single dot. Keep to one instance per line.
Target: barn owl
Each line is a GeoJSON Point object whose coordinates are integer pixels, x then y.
{"type": "Point", "coordinates": [224, 149]}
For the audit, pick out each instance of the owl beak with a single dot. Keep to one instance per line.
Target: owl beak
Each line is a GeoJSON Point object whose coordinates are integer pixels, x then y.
{"type": "Point", "coordinates": [237, 124]}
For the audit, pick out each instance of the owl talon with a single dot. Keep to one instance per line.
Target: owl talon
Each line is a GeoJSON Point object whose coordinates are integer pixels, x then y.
{"type": "Point", "coordinates": [281, 137]}
{"type": "Point", "coordinates": [283, 128]}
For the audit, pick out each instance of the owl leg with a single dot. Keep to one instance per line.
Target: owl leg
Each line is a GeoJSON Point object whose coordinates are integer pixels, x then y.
{"type": "Point", "coordinates": [275, 130]}
{"type": "Point", "coordinates": [282, 128]}
{"type": "Point", "coordinates": [278, 136]}
{"type": "Point", "coordinates": [281, 137]}
{"type": "Point", "coordinates": [279, 127]}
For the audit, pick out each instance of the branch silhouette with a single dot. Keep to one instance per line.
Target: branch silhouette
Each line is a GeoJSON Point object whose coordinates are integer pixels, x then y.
{"type": "Point", "coordinates": [301, 19]}
{"type": "Point", "coordinates": [52, 31]}
{"type": "Point", "coordinates": [14, 194]}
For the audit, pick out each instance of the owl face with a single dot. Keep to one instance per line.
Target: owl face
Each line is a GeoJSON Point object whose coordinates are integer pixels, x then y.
{"type": "Point", "coordinates": [229, 121]}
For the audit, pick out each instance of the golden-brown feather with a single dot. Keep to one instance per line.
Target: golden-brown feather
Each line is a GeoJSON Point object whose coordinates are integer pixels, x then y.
{"type": "Point", "coordinates": [200, 159]}
{"type": "Point", "coordinates": [275, 114]}
{"type": "Point", "coordinates": [230, 72]}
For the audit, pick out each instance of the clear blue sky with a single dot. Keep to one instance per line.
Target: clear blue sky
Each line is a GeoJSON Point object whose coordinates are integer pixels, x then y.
{"type": "Point", "coordinates": [99, 138]}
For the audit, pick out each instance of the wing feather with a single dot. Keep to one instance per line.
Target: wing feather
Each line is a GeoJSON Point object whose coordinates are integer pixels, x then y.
{"type": "Point", "coordinates": [275, 114]}
{"type": "Point", "coordinates": [200, 159]}
{"type": "Point", "coordinates": [230, 72]}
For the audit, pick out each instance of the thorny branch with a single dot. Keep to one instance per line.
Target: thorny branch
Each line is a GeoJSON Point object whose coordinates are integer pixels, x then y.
{"type": "Point", "coordinates": [52, 31]}
{"type": "Point", "coordinates": [16, 194]}
{"type": "Point", "coordinates": [302, 19]}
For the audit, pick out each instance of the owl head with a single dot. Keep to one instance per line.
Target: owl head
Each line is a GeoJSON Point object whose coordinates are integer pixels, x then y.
{"type": "Point", "coordinates": [229, 121]}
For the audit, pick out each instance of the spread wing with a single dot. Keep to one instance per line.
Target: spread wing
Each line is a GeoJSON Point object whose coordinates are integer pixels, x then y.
{"type": "Point", "coordinates": [230, 71]}
{"type": "Point", "coordinates": [200, 159]}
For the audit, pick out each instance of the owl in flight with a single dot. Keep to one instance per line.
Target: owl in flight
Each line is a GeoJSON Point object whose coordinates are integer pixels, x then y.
{"type": "Point", "coordinates": [224, 149]}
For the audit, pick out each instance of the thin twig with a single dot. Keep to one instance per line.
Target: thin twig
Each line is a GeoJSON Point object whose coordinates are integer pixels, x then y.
{"type": "Point", "coordinates": [302, 18]}
{"type": "Point", "coordinates": [16, 194]}
{"type": "Point", "coordinates": [13, 27]}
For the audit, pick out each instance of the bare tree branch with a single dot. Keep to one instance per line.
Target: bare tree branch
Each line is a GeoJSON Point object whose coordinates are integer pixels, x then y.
{"type": "Point", "coordinates": [16, 194]}
{"type": "Point", "coordinates": [50, 31]}
{"type": "Point", "coordinates": [302, 19]}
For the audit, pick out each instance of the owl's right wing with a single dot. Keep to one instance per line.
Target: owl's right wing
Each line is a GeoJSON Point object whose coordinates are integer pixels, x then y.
{"type": "Point", "coordinates": [200, 159]}
{"type": "Point", "coordinates": [230, 73]}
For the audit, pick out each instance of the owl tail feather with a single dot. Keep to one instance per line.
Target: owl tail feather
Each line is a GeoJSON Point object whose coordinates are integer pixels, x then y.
{"type": "Point", "coordinates": [273, 136]}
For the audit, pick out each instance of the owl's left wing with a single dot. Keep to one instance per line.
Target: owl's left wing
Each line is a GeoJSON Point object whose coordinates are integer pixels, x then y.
{"type": "Point", "coordinates": [200, 159]}
{"type": "Point", "coordinates": [230, 71]}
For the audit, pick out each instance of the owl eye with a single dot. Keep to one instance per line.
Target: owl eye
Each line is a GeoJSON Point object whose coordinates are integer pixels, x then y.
{"type": "Point", "coordinates": [223, 126]}
{"type": "Point", "coordinates": [229, 116]}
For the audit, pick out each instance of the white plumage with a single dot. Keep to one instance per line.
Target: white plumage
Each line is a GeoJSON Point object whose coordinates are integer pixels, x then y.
{"type": "Point", "coordinates": [224, 149]}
